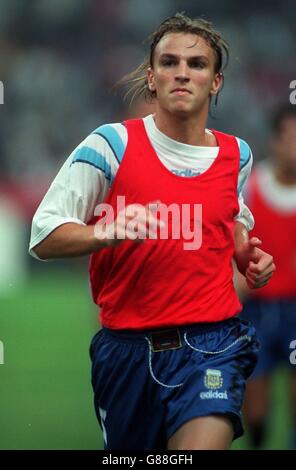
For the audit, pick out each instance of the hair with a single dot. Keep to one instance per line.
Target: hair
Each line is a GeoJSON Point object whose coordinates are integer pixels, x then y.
{"type": "Point", "coordinates": [283, 112]}
{"type": "Point", "coordinates": [136, 81]}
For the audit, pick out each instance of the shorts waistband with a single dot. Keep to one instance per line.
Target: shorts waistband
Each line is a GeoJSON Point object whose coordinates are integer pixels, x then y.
{"type": "Point", "coordinates": [192, 329]}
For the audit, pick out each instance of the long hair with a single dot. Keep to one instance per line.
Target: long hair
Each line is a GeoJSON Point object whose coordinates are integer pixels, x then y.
{"type": "Point", "coordinates": [136, 81]}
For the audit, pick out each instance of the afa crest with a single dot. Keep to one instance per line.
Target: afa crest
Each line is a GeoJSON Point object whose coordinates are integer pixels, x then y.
{"type": "Point", "coordinates": [213, 379]}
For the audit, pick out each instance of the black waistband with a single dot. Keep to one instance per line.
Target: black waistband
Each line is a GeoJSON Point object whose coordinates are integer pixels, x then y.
{"type": "Point", "coordinates": [192, 329]}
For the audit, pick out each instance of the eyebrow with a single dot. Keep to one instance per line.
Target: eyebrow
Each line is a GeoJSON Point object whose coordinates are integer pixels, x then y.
{"type": "Point", "coordinates": [167, 55]}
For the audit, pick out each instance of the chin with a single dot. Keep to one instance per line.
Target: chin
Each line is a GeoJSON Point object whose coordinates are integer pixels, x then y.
{"type": "Point", "coordinates": [181, 111]}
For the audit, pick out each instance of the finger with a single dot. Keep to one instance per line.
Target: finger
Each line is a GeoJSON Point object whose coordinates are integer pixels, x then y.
{"type": "Point", "coordinates": [134, 210]}
{"type": "Point", "coordinates": [260, 282]}
{"type": "Point", "coordinates": [135, 233]}
{"type": "Point", "coordinates": [269, 270]}
{"type": "Point", "coordinates": [253, 268]}
{"type": "Point", "coordinates": [152, 221]}
{"type": "Point", "coordinates": [142, 218]}
{"type": "Point", "coordinates": [258, 285]}
{"type": "Point", "coordinates": [265, 262]}
{"type": "Point", "coordinates": [147, 216]}
{"type": "Point", "coordinates": [140, 214]}
{"type": "Point", "coordinates": [129, 229]}
{"type": "Point", "coordinates": [152, 218]}
{"type": "Point", "coordinates": [262, 265]}
{"type": "Point", "coordinates": [263, 280]}
{"type": "Point", "coordinates": [151, 224]}
{"type": "Point", "coordinates": [252, 276]}
{"type": "Point", "coordinates": [258, 277]}
{"type": "Point", "coordinates": [254, 241]}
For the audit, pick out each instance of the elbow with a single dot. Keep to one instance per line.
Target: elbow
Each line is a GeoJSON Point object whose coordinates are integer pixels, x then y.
{"type": "Point", "coordinates": [41, 252]}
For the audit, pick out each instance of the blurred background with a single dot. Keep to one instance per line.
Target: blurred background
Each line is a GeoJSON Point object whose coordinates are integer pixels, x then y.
{"type": "Point", "coordinates": [59, 60]}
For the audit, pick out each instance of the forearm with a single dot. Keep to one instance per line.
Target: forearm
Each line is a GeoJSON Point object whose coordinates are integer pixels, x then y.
{"type": "Point", "coordinates": [241, 238]}
{"type": "Point", "coordinates": [255, 264]}
{"type": "Point", "coordinates": [69, 240]}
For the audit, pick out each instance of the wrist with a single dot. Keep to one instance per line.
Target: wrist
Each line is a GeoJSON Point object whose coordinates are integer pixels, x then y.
{"type": "Point", "coordinates": [103, 236]}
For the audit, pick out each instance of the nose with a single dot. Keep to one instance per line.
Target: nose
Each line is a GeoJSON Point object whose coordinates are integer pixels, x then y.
{"type": "Point", "coordinates": [182, 72]}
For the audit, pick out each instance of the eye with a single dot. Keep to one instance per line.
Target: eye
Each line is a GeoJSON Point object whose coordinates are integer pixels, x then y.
{"type": "Point", "coordinates": [168, 62]}
{"type": "Point", "coordinates": [197, 64]}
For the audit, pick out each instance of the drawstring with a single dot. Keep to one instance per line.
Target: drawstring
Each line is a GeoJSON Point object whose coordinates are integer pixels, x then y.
{"type": "Point", "coordinates": [241, 338]}
{"type": "Point", "coordinates": [151, 370]}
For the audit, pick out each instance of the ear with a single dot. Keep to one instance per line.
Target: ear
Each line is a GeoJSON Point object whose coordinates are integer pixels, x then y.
{"type": "Point", "coordinates": [150, 79]}
{"type": "Point", "coordinates": [217, 83]}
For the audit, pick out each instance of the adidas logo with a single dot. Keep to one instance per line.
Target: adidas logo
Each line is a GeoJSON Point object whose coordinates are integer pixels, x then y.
{"type": "Point", "coordinates": [210, 394]}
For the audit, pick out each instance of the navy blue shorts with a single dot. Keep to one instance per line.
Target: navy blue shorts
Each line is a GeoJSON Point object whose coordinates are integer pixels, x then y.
{"type": "Point", "coordinates": [142, 397]}
{"type": "Point", "coordinates": [275, 323]}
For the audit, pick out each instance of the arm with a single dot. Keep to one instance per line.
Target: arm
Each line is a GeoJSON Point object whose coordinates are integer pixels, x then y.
{"type": "Point", "coordinates": [59, 226]}
{"type": "Point", "coordinates": [244, 216]}
{"type": "Point", "coordinates": [69, 240]}
{"type": "Point", "coordinates": [255, 264]}
{"type": "Point", "coordinates": [252, 262]}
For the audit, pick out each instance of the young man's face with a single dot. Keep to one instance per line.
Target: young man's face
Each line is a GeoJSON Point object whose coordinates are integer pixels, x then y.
{"type": "Point", "coordinates": [183, 74]}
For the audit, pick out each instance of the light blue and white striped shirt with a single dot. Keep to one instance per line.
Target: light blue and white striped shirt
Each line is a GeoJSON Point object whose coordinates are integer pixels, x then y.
{"type": "Point", "coordinates": [85, 177]}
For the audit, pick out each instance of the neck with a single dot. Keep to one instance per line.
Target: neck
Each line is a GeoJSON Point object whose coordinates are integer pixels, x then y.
{"type": "Point", "coordinates": [187, 130]}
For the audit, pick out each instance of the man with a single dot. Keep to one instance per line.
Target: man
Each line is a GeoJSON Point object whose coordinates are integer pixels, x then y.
{"type": "Point", "coordinates": [170, 363]}
{"type": "Point", "coordinates": [271, 195]}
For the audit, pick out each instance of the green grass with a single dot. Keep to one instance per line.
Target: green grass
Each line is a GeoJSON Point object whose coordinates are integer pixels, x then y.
{"type": "Point", "coordinates": [45, 392]}
{"type": "Point", "coordinates": [279, 424]}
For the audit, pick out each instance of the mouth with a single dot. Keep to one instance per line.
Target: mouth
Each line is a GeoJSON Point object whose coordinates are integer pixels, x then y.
{"type": "Point", "coordinates": [181, 91]}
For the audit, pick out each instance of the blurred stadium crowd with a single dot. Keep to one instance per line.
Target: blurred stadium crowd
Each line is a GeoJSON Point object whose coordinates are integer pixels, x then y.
{"type": "Point", "coordinates": [60, 59]}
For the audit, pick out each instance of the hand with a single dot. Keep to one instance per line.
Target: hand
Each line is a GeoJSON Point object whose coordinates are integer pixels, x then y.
{"type": "Point", "coordinates": [260, 267]}
{"type": "Point", "coordinates": [133, 222]}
